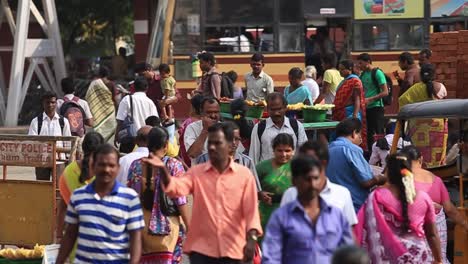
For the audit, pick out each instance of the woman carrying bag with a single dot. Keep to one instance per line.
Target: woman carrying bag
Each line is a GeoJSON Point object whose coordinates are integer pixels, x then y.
{"type": "Point", "coordinates": [164, 231]}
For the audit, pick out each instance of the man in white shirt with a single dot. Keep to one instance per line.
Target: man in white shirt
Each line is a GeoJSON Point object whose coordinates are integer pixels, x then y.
{"type": "Point", "coordinates": [140, 152]}
{"type": "Point", "coordinates": [143, 107]}
{"type": "Point", "coordinates": [311, 76]}
{"type": "Point", "coordinates": [68, 89]}
{"type": "Point", "coordinates": [334, 194]}
{"type": "Point", "coordinates": [268, 129]}
{"type": "Point", "coordinates": [49, 123]}
{"type": "Point", "coordinates": [235, 42]}
{"type": "Point", "coordinates": [196, 133]}
{"type": "Point", "coordinates": [258, 83]}
{"type": "Point", "coordinates": [237, 156]}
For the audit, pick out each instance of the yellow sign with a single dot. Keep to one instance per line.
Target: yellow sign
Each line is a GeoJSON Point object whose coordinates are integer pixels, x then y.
{"type": "Point", "coordinates": [27, 214]}
{"type": "Point", "coordinates": [388, 9]}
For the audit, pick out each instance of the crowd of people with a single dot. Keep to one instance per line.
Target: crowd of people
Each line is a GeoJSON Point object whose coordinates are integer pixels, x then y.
{"type": "Point", "coordinates": [263, 192]}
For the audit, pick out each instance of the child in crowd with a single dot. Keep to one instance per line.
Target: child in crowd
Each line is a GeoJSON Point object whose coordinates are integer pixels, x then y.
{"type": "Point", "coordinates": [381, 148]}
{"type": "Point", "coordinates": [238, 112]}
{"type": "Point", "coordinates": [127, 145]}
{"type": "Point", "coordinates": [237, 91]}
{"type": "Point", "coordinates": [168, 87]}
{"type": "Point", "coordinates": [153, 121]}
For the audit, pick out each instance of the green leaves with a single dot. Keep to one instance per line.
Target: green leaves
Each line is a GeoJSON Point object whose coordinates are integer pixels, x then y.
{"type": "Point", "coordinates": [95, 23]}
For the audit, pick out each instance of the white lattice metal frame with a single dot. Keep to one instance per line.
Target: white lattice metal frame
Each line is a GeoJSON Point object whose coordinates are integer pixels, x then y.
{"type": "Point", "coordinates": [38, 52]}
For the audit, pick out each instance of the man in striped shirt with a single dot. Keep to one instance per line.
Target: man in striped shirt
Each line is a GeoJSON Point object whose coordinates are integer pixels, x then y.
{"type": "Point", "coordinates": [104, 216]}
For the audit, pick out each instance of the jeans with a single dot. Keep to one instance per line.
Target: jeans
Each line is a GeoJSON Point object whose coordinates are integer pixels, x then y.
{"type": "Point", "coordinates": [197, 258]}
{"type": "Point", "coordinates": [375, 124]}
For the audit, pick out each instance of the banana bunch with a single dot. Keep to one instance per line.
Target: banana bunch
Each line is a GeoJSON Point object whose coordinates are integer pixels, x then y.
{"type": "Point", "coordinates": [296, 107]}
{"type": "Point", "coordinates": [252, 103]}
{"type": "Point", "coordinates": [21, 253]}
{"type": "Point", "coordinates": [320, 106]}
{"type": "Point", "coordinates": [249, 103]}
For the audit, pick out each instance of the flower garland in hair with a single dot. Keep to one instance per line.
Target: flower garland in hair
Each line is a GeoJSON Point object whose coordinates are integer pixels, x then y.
{"type": "Point", "coordinates": [408, 182]}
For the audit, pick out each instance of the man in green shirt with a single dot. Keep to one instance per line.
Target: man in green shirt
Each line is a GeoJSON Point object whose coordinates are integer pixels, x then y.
{"type": "Point", "coordinates": [374, 94]}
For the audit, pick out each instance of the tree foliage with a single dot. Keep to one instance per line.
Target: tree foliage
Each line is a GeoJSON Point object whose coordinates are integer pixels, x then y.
{"type": "Point", "coordinates": [93, 22]}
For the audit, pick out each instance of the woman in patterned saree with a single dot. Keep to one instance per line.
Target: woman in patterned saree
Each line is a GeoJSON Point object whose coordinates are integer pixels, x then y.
{"type": "Point", "coordinates": [428, 135]}
{"type": "Point", "coordinates": [397, 224]}
{"type": "Point", "coordinates": [349, 98]}
{"type": "Point", "coordinates": [164, 232]}
{"type": "Point", "coordinates": [427, 182]}
{"type": "Point", "coordinates": [275, 175]}
{"type": "Point", "coordinates": [102, 103]}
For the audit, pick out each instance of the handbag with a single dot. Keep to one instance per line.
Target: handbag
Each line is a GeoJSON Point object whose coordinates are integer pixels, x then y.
{"type": "Point", "coordinates": [166, 204]}
{"type": "Point", "coordinates": [155, 242]}
{"type": "Point", "coordinates": [128, 125]}
{"type": "Point", "coordinates": [258, 255]}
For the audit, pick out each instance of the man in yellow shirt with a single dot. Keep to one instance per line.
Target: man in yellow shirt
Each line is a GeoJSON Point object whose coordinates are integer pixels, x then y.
{"type": "Point", "coordinates": [331, 79]}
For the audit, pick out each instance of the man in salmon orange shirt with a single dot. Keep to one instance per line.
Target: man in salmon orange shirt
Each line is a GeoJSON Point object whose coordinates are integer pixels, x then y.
{"type": "Point", "coordinates": [225, 221]}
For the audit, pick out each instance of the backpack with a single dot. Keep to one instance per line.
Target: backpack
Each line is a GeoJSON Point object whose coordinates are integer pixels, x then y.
{"type": "Point", "coordinates": [387, 100]}
{"type": "Point", "coordinates": [75, 115]}
{"type": "Point", "coordinates": [262, 126]}
{"type": "Point", "coordinates": [227, 86]}
{"type": "Point", "coordinates": [40, 119]}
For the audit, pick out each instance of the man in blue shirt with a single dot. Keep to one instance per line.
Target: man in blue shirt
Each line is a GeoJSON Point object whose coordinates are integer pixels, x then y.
{"type": "Point", "coordinates": [347, 165]}
{"type": "Point", "coordinates": [307, 230]}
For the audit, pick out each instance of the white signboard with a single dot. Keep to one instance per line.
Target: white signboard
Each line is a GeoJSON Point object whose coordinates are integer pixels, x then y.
{"type": "Point", "coordinates": [327, 11]}
{"type": "Point", "coordinates": [193, 24]}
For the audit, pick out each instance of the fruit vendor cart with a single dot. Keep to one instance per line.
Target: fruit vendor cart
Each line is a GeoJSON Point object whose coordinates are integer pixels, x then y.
{"type": "Point", "coordinates": [451, 109]}
{"type": "Point", "coordinates": [313, 118]}
{"type": "Point", "coordinates": [28, 207]}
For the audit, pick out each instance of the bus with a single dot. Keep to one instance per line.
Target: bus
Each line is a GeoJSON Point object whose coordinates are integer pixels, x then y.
{"type": "Point", "coordinates": [286, 32]}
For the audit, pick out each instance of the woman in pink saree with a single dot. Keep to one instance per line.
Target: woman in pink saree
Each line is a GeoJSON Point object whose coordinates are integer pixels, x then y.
{"type": "Point", "coordinates": [397, 224]}
{"type": "Point", "coordinates": [427, 182]}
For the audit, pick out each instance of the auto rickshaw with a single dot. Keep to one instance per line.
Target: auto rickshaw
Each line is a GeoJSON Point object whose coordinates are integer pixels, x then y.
{"type": "Point", "coordinates": [447, 109]}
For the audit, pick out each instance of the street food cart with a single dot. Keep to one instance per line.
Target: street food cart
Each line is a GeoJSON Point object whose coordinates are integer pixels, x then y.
{"type": "Point", "coordinates": [28, 206]}
{"type": "Point", "coordinates": [451, 109]}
